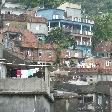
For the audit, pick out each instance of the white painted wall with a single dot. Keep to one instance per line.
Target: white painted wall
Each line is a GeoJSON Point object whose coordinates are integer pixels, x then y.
{"type": "Point", "coordinates": [3, 71]}
{"type": "Point", "coordinates": [38, 28]}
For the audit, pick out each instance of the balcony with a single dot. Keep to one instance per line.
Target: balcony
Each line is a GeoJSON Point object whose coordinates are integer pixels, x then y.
{"type": "Point", "coordinates": [87, 33]}
{"type": "Point", "coordinates": [67, 30]}
{"type": "Point", "coordinates": [81, 33]}
{"type": "Point", "coordinates": [83, 43]}
{"type": "Point", "coordinates": [76, 31]}
{"type": "Point", "coordinates": [83, 20]}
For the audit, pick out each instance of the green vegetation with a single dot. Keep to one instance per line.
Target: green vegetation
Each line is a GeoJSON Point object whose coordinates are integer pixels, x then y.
{"type": "Point", "coordinates": [102, 30]}
{"type": "Point", "coordinates": [61, 39]}
{"type": "Point", "coordinates": [45, 3]}
{"type": "Point", "coordinates": [95, 7]}
{"type": "Point", "coordinates": [90, 7]}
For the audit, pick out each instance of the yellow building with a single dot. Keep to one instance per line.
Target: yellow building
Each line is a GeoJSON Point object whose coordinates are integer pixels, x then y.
{"type": "Point", "coordinates": [69, 5]}
{"type": "Point", "coordinates": [73, 11]}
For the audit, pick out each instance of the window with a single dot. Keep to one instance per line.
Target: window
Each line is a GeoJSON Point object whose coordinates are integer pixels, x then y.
{"type": "Point", "coordinates": [40, 53]}
{"type": "Point", "coordinates": [49, 53]}
{"type": "Point", "coordinates": [67, 54]}
{"type": "Point", "coordinates": [77, 42]}
{"type": "Point", "coordinates": [83, 43]}
{"type": "Point", "coordinates": [55, 16]}
{"type": "Point", "coordinates": [76, 19]}
{"type": "Point", "coordinates": [91, 79]}
{"type": "Point", "coordinates": [88, 99]}
{"type": "Point", "coordinates": [99, 100]}
{"type": "Point", "coordinates": [54, 24]}
{"type": "Point", "coordinates": [101, 54]}
{"type": "Point", "coordinates": [29, 52]}
{"type": "Point", "coordinates": [37, 27]}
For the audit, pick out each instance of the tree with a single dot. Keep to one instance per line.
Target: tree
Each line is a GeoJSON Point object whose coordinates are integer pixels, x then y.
{"type": "Point", "coordinates": [102, 30]}
{"type": "Point", "coordinates": [61, 39]}
{"type": "Point", "coordinates": [45, 3]}
{"type": "Point", "coordinates": [91, 7]}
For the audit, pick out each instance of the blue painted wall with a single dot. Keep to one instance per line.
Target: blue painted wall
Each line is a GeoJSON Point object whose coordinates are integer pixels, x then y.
{"type": "Point", "coordinates": [86, 50]}
{"type": "Point", "coordinates": [48, 13]}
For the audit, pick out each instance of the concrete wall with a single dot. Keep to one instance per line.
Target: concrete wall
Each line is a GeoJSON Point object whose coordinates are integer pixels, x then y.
{"type": "Point", "coordinates": [38, 28]}
{"type": "Point", "coordinates": [73, 12]}
{"type": "Point", "coordinates": [1, 50]}
{"type": "Point", "coordinates": [15, 103]}
{"type": "Point", "coordinates": [23, 85]}
{"type": "Point", "coordinates": [47, 80]}
{"type": "Point", "coordinates": [65, 105]}
{"type": "Point", "coordinates": [3, 71]}
{"type": "Point", "coordinates": [25, 95]}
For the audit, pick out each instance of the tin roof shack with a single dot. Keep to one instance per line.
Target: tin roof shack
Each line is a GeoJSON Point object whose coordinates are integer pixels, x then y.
{"type": "Point", "coordinates": [28, 95]}
{"type": "Point", "coordinates": [91, 98]}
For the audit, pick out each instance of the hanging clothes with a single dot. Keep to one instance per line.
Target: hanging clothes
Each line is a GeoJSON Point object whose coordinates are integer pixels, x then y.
{"type": "Point", "coordinates": [12, 72]}
{"type": "Point", "coordinates": [34, 71]}
{"type": "Point", "coordinates": [30, 72]}
{"type": "Point", "coordinates": [24, 73]}
{"type": "Point", "coordinates": [18, 73]}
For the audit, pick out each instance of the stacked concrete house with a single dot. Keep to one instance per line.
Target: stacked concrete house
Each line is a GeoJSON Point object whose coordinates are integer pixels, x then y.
{"type": "Point", "coordinates": [68, 17]}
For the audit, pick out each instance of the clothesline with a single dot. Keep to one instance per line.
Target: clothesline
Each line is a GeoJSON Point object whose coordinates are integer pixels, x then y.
{"type": "Point", "coordinates": [25, 73]}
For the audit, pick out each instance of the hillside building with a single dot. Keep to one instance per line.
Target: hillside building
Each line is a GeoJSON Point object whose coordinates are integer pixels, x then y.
{"type": "Point", "coordinates": [79, 28]}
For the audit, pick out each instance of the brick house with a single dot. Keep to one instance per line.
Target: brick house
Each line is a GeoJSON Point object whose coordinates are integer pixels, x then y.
{"type": "Point", "coordinates": [24, 21]}
{"type": "Point", "coordinates": [33, 39]}
{"type": "Point", "coordinates": [104, 49]}
{"type": "Point", "coordinates": [26, 43]}
{"type": "Point", "coordinates": [104, 53]}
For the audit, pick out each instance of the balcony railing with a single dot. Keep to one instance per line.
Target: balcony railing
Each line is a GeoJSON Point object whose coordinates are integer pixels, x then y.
{"type": "Point", "coordinates": [81, 20]}
{"type": "Point", "coordinates": [80, 32]}
{"type": "Point", "coordinates": [75, 31]}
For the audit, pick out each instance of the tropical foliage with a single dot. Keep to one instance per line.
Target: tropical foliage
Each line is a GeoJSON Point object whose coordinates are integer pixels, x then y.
{"type": "Point", "coordinates": [102, 30]}
{"type": "Point", "coordinates": [45, 3]}
{"type": "Point", "coordinates": [62, 39]}
{"type": "Point", "coordinates": [90, 7]}
{"type": "Point", "coordinates": [95, 7]}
